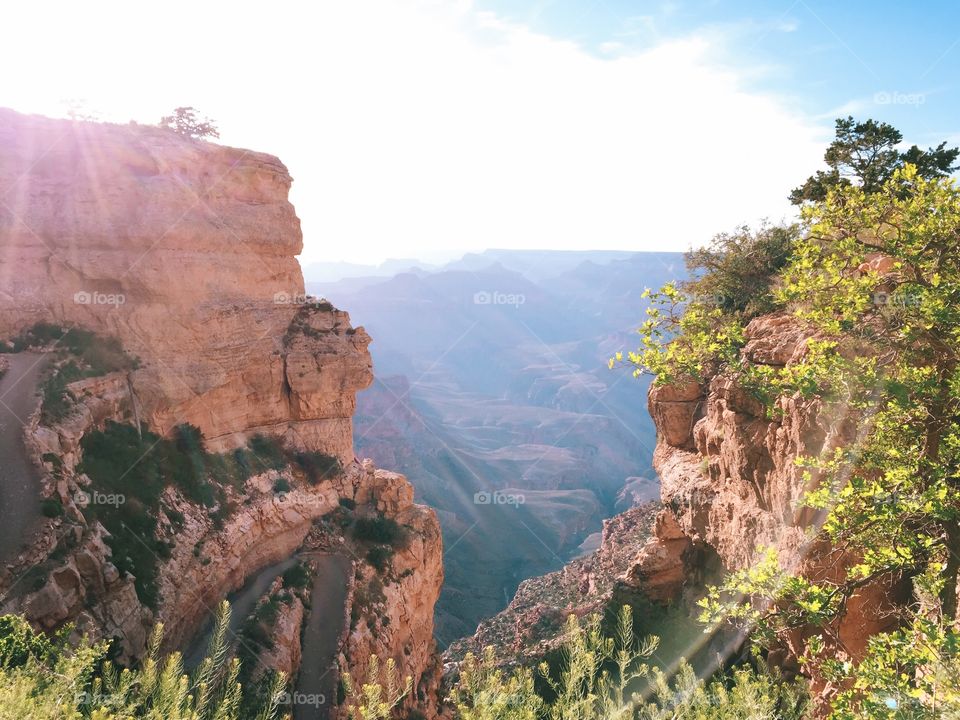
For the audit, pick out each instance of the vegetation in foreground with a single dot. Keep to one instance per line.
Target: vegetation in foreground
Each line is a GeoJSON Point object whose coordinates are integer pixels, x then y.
{"type": "Point", "coordinates": [873, 274]}
{"type": "Point", "coordinates": [598, 677]}
{"type": "Point", "coordinates": [45, 678]}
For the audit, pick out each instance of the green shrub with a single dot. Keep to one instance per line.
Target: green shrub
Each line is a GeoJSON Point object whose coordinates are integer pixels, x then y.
{"type": "Point", "coordinates": [281, 485]}
{"type": "Point", "coordinates": [138, 466]}
{"type": "Point", "coordinates": [50, 679]}
{"type": "Point", "coordinates": [600, 674]}
{"type": "Point", "coordinates": [19, 643]}
{"type": "Point", "coordinates": [347, 503]}
{"type": "Point", "coordinates": [738, 270]}
{"type": "Point", "coordinates": [379, 556]}
{"type": "Point", "coordinates": [317, 466]}
{"type": "Point", "coordinates": [268, 453]}
{"type": "Point", "coordinates": [85, 355]}
{"type": "Point", "coordinates": [297, 577]}
{"type": "Point", "coordinates": [378, 529]}
{"type": "Point", "coordinates": [51, 507]}
{"type": "Point", "coordinates": [177, 518]}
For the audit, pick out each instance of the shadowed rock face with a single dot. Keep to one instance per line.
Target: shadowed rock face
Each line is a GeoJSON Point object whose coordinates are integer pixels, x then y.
{"type": "Point", "coordinates": [185, 251]}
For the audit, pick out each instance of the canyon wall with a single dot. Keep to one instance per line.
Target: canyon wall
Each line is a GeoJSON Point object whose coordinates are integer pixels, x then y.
{"type": "Point", "coordinates": [185, 251]}
{"type": "Point", "coordinates": [731, 486]}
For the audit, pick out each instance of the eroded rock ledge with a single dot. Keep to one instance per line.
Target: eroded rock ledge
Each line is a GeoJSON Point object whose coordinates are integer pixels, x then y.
{"type": "Point", "coordinates": [730, 487]}
{"type": "Point", "coordinates": [185, 251]}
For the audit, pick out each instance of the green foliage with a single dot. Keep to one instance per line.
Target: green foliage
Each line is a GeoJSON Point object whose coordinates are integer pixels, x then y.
{"type": "Point", "coordinates": [684, 339]}
{"type": "Point", "coordinates": [379, 556]}
{"type": "Point", "coordinates": [913, 672]}
{"type": "Point", "coordinates": [185, 121]}
{"type": "Point", "coordinates": [607, 677]}
{"type": "Point", "coordinates": [297, 577]}
{"type": "Point", "coordinates": [379, 529]}
{"type": "Point", "coordinates": [736, 272]}
{"type": "Point", "coordinates": [80, 354]}
{"type": "Point", "coordinates": [268, 453]}
{"type": "Point", "coordinates": [379, 695]}
{"type": "Point", "coordinates": [20, 644]}
{"type": "Point", "coordinates": [864, 154]}
{"type": "Point", "coordinates": [746, 694]}
{"type": "Point", "coordinates": [317, 466]}
{"type": "Point", "coordinates": [51, 680]}
{"type": "Point", "coordinates": [874, 280]}
{"type": "Point", "coordinates": [51, 507]}
{"type": "Point", "coordinates": [133, 468]}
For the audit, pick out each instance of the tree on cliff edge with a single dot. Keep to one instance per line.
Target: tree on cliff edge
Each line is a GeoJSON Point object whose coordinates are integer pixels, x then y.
{"type": "Point", "coordinates": [186, 122]}
{"type": "Point", "coordinates": [874, 280]}
{"type": "Point", "coordinates": [865, 154]}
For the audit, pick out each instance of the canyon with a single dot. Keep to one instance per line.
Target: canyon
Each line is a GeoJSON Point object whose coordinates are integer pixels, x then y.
{"type": "Point", "coordinates": [491, 378]}
{"type": "Point", "coordinates": [184, 254]}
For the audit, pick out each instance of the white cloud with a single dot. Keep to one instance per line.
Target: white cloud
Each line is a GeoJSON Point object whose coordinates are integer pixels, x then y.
{"type": "Point", "coordinates": [424, 128]}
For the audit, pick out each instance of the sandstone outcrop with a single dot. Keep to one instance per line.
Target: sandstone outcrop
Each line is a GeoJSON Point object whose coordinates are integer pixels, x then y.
{"type": "Point", "coordinates": [392, 609]}
{"type": "Point", "coordinates": [730, 486]}
{"type": "Point", "coordinates": [529, 626]}
{"type": "Point", "coordinates": [185, 251]}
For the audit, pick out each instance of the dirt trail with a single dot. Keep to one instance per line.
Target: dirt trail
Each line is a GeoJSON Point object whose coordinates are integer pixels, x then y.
{"type": "Point", "coordinates": [242, 602]}
{"type": "Point", "coordinates": [316, 689]}
{"type": "Point", "coordinates": [19, 480]}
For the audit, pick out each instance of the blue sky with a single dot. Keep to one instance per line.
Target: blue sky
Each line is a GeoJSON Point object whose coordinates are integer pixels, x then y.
{"type": "Point", "coordinates": [893, 61]}
{"type": "Point", "coordinates": [427, 128]}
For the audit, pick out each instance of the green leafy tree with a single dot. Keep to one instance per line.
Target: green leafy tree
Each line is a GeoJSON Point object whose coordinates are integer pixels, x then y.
{"type": "Point", "coordinates": [185, 121]}
{"type": "Point", "coordinates": [865, 154]}
{"type": "Point", "coordinates": [736, 271]}
{"type": "Point", "coordinates": [873, 277]}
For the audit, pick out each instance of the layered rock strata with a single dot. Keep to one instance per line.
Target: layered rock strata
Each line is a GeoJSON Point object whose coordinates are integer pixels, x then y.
{"type": "Point", "coordinates": [185, 251]}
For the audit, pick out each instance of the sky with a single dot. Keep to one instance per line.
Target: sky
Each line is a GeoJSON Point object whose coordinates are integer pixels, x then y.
{"type": "Point", "coordinates": [426, 128]}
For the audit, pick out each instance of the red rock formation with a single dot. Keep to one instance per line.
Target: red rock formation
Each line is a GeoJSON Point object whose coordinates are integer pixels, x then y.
{"type": "Point", "coordinates": [392, 610]}
{"type": "Point", "coordinates": [730, 486]}
{"type": "Point", "coordinates": [186, 251]}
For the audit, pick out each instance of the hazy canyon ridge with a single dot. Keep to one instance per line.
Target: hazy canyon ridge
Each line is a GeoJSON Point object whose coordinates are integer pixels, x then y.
{"type": "Point", "coordinates": [493, 394]}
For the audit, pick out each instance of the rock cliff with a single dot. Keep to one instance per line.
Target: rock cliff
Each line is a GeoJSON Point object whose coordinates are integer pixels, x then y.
{"type": "Point", "coordinates": [185, 251]}
{"type": "Point", "coordinates": [530, 625]}
{"type": "Point", "coordinates": [730, 486]}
